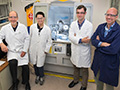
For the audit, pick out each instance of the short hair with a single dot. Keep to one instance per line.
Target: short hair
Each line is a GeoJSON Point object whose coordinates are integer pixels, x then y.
{"type": "Point", "coordinates": [40, 13]}
{"type": "Point", "coordinates": [15, 12]}
{"type": "Point", "coordinates": [80, 7]}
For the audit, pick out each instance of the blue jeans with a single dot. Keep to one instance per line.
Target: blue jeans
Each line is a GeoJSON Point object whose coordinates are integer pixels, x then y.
{"type": "Point", "coordinates": [39, 71]}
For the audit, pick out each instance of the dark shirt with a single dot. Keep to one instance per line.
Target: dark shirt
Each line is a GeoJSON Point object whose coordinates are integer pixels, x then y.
{"type": "Point", "coordinates": [15, 27]}
{"type": "Point", "coordinates": [39, 29]}
{"type": "Point", "coordinates": [80, 25]}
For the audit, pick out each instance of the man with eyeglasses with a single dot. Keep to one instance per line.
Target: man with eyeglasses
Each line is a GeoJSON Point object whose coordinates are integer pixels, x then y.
{"type": "Point", "coordinates": [80, 33]}
{"type": "Point", "coordinates": [17, 39]}
{"type": "Point", "coordinates": [106, 39]}
{"type": "Point", "coordinates": [40, 43]}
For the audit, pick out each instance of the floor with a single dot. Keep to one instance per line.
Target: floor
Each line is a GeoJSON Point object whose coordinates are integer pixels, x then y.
{"type": "Point", "coordinates": [56, 83]}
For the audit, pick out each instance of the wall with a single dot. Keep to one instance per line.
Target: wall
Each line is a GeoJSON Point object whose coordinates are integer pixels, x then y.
{"type": "Point", "coordinates": [99, 9]}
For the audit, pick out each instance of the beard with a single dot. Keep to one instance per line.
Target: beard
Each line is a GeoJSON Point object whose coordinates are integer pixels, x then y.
{"type": "Point", "coordinates": [13, 23]}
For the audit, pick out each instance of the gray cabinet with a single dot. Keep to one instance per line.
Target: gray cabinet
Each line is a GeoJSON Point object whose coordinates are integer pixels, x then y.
{"type": "Point", "coordinates": [5, 79]}
{"type": "Point", "coordinates": [57, 60]}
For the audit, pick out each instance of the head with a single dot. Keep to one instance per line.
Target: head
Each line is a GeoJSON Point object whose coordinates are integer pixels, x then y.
{"type": "Point", "coordinates": [13, 17]}
{"type": "Point", "coordinates": [40, 17]}
{"type": "Point", "coordinates": [81, 12]}
{"type": "Point", "coordinates": [111, 15]}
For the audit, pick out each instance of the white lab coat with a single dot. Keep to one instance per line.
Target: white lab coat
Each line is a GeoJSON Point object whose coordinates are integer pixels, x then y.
{"type": "Point", "coordinates": [17, 41]}
{"type": "Point", "coordinates": [81, 53]}
{"type": "Point", "coordinates": [39, 44]}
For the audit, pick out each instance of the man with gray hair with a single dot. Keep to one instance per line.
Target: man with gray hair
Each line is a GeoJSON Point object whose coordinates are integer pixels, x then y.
{"type": "Point", "coordinates": [106, 39]}
{"type": "Point", "coordinates": [17, 39]}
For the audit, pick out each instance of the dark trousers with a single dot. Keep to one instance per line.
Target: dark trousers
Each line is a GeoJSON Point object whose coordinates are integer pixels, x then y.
{"type": "Point", "coordinates": [39, 71]}
{"type": "Point", "coordinates": [13, 64]}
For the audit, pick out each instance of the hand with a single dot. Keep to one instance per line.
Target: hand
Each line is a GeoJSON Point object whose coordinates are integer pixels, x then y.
{"type": "Point", "coordinates": [23, 54]}
{"type": "Point", "coordinates": [104, 44]}
{"type": "Point", "coordinates": [85, 40]}
{"type": "Point", "coordinates": [4, 47]}
{"type": "Point", "coordinates": [98, 38]}
{"type": "Point", "coordinates": [74, 34]}
{"type": "Point", "coordinates": [45, 52]}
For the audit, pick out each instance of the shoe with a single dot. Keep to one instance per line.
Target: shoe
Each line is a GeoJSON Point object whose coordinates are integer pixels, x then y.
{"type": "Point", "coordinates": [37, 79]}
{"type": "Point", "coordinates": [72, 84]}
{"type": "Point", "coordinates": [18, 81]}
{"type": "Point", "coordinates": [83, 88]}
{"type": "Point", "coordinates": [27, 86]}
{"type": "Point", "coordinates": [15, 87]}
{"type": "Point", "coordinates": [41, 81]}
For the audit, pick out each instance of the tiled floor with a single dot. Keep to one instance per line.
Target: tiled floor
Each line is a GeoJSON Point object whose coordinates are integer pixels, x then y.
{"type": "Point", "coordinates": [56, 83]}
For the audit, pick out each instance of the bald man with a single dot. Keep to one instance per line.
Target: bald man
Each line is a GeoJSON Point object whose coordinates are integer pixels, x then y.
{"type": "Point", "coordinates": [17, 39]}
{"type": "Point", "coordinates": [106, 39]}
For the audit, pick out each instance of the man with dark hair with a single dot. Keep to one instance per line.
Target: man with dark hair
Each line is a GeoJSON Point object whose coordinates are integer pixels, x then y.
{"type": "Point", "coordinates": [80, 7]}
{"type": "Point", "coordinates": [106, 39]}
{"type": "Point", "coordinates": [17, 39]}
{"type": "Point", "coordinates": [40, 43]}
{"type": "Point", "coordinates": [40, 13]}
{"type": "Point", "coordinates": [79, 34]}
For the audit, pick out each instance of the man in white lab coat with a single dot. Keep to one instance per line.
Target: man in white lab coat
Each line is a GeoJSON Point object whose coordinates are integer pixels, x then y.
{"type": "Point", "coordinates": [17, 38]}
{"type": "Point", "coordinates": [40, 43]}
{"type": "Point", "coordinates": [79, 34]}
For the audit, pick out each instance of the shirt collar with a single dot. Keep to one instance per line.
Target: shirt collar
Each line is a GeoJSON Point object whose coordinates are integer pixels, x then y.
{"type": "Point", "coordinates": [80, 25]}
{"type": "Point", "coordinates": [39, 27]}
{"type": "Point", "coordinates": [110, 26]}
{"type": "Point", "coordinates": [15, 27]}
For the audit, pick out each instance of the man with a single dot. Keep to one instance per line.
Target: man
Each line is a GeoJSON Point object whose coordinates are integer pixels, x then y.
{"type": "Point", "coordinates": [79, 35]}
{"type": "Point", "coordinates": [17, 39]}
{"type": "Point", "coordinates": [40, 43]}
{"type": "Point", "coordinates": [106, 58]}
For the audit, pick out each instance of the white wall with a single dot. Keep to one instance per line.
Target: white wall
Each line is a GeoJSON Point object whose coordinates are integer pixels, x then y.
{"type": "Point", "coordinates": [99, 9]}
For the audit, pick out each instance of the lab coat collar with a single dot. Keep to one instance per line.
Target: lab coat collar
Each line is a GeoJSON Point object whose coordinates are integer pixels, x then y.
{"type": "Point", "coordinates": [12, 27]}
{"type": "Point", "coordinates": [37, 28]}
{"type": "Point", "coordinates": [77, 23]}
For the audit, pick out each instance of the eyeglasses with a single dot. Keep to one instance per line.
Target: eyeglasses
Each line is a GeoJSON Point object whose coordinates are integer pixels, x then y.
{"type": "Point", "coordinates": [39, 18]}
{"type": "Point", "coordinates": [12, 16]}
{"type": "Point", "coordinates": [80, 12]}
{"type": "Point", "coordinates": [111, 15]}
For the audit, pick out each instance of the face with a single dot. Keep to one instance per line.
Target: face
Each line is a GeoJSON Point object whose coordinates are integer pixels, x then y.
{"type": "Point", "coordinates": [80, 14]}
{"type": "Point", "coordinates": [111, 16]}
{"type": "Point", "coordinates": [40, 19]}
{"type": "Point", "coordinates": [13, 18]}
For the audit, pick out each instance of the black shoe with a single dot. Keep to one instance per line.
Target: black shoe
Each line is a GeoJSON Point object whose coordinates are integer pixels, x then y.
{"type": "Point", "coordinates": [15, 87]}
{"type": "Point", "coordinates": [18, 81]}
{"type": "Point", "coordinates": [83, 88]}
{"type": "Point", "coordinates": [37, 79]}
{"type": "Point", "coordinates": [27, 86]}
{"type": "Point", "coordinates": [41, 81]}
{"type": "Point", "coordinates": [72, 84]}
